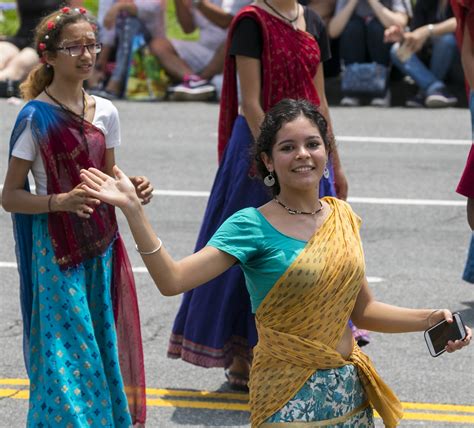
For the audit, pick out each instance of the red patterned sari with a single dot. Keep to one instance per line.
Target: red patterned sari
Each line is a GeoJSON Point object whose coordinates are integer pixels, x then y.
{"type": "Point", "coordinates": [290, 60]}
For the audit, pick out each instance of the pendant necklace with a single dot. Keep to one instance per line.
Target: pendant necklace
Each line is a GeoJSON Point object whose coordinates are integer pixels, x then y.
{"type": "Point", "coordinates": [294, 212]}
{"type": "Point", "coordinates": [293, 22]}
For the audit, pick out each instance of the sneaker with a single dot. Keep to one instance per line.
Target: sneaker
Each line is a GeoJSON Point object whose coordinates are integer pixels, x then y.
{"type": "Point", "coordinates": [382, 101]}
{"type": "Point", "coordinates": [441, 98]}
{"type": "Point", "coordinates": [418, 101]}
{"type": "Point", "coordinates": [350, 102]}
{"type": "Point", "coordinates": [193, 88]}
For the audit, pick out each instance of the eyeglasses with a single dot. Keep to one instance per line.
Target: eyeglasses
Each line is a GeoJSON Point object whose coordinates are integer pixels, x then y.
{"type": "Point", "coordinates": [76, 50]}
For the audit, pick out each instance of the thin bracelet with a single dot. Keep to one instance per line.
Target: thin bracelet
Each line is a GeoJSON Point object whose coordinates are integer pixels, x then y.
{"type": "Point", "coordinates": [430, 29]}
{"type": "Point", "coordinates": [430, 315]}
{"type": "Point", "coordinates": [149, 253]}
{"type": "Point", "coordinates": [49, 202]}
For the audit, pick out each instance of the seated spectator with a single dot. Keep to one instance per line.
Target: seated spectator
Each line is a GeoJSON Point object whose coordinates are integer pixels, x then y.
{"type": "Point", "coordinates": [360, 24]}
{"type": "Point", "coordinates": [17, 56]}
{"type": "Point", "coordinates": [107, 38]}
{"type": "Point", "coordinates": [325, 9]}
{"type": "Point", "coordinates": [122, 21]}
{"type": "Point", "coordinates": [431, 39]}
{"type": "Point", "coordinates": [192, 64]}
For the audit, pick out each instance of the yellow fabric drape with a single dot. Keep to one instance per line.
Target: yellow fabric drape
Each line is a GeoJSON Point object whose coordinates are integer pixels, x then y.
{"type": "Point", "coordinates": [303, 317]}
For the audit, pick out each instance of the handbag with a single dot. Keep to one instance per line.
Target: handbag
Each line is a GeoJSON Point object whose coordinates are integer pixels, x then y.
{"type": "Point", "coordinates": [368, 79]}
{"type": "Point", "coordinates": [146, 80]}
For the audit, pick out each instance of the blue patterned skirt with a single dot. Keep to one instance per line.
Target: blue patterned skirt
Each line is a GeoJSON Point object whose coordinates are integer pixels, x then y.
{"type": "Point", "coordinates": [215, 321]}
{"type": "Point", "coordinates": [75, 378]}
{"type": "Point", "coordinates": [331, 398]}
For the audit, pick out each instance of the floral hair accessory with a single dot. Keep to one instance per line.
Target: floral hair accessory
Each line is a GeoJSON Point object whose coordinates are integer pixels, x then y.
{"type": "Point", "coordinates": [46, 37]}
{"type": "Point", "coordinates": [65, 10]}
{"type": "Point", "coordinates": [82, 10]}
{"type": "Point", "coordinates": [42, 46]}
{"type": "Point", "coordinates": [51, 25]}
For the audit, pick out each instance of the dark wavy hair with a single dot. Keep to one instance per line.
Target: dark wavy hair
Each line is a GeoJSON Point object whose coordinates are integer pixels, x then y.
{"type": "Point", "coordinates": [281, 113]}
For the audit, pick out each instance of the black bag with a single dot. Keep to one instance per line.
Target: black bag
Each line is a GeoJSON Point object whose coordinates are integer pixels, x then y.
{"type": "Point", "coordinates": [365, 79]}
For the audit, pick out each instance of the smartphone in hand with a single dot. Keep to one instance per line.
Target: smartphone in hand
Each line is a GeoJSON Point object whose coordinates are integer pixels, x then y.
{"type": "Point", "coordinates": [437, 337]}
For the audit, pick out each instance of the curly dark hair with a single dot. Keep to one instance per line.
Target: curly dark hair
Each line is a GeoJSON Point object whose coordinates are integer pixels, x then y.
{"type": "Point", "coordinates": [283, 112]}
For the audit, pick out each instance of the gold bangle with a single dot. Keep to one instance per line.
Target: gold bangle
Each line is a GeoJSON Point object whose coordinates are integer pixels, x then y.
{"type": "Point", "coordinates": [49, 203]}
{"type": "Point", "coordinates": [149, 253]}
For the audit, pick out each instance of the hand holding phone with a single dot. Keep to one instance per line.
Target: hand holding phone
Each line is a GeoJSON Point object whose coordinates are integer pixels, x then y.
{"type": "Point", "coordinates": [438, 336]}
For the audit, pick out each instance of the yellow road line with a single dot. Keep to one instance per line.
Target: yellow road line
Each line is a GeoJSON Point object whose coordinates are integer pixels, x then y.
{"type": "Point", "coordinates": [198, 394]}
{"type": "Point", "coordinates": [452, 412]}
{"type": "Point", "coordinates": [439, 407]}
{"type": "Point", "coordinates": [212, 405]}
{"type": "Point", "coordinates": [14, 382]}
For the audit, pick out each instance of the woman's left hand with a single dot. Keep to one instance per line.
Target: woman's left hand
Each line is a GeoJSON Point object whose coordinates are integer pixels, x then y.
{"type": "Point", "coordinates": [143, 188]}
{"type": "Point", "coordinates": [445, 314]}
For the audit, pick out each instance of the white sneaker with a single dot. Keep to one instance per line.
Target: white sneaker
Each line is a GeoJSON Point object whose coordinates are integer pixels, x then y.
{"type": "Point", "coordinates": [350, 102]}
{"type": "Point", "coordinates": [382, 101]}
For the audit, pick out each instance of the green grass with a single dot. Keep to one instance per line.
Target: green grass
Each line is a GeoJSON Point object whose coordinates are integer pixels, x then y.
{"type": "Point", "coordinates": [10, 23]}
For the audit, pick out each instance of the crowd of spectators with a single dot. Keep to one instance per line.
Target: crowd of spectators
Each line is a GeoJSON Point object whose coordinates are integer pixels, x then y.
{"type": "Point", "coordinates": [411, 40]}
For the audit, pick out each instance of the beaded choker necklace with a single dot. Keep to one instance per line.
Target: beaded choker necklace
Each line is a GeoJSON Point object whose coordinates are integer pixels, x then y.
{"type": "Point", "coordinates": [294, 212]}
{"type": "Point", "coordinates": [293, 21]}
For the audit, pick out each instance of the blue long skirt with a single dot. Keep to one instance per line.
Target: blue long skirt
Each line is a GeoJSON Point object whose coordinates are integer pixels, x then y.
{"type": "Point", "coordinates": [75, 379]}
{"type": "Point", "coordinates": [215, 321]}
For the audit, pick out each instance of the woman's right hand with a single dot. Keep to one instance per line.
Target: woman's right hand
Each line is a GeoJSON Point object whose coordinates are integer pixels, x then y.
{"type": "Point", "coordinates": [76, 201]}
{"type": "Point", "coordinates": [118, 191]}
{"type": "Point", "coordinates": [393, 34]}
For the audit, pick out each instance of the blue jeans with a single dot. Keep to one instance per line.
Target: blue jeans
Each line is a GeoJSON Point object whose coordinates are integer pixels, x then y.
{"type": "Point", "coordinates": [443, 56]}
{"type": "Point", "coordinates": [468, 274]}
{"type": "Point", "coordinates": [127, 28]}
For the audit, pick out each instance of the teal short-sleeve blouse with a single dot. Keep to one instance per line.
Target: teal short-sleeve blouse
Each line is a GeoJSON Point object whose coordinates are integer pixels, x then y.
{"type": "Point", "coordinates": [263, 252]}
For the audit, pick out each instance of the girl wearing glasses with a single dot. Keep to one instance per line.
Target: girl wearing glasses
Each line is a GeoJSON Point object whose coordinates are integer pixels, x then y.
{"type": "Point", "coordinates": [75, 274]}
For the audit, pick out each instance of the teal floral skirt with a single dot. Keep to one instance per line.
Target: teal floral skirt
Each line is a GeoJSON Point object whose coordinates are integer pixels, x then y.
{"type": "Point", "coordinates": [328, 394]}
{"type": "Point", "coordinates": [75, 379]}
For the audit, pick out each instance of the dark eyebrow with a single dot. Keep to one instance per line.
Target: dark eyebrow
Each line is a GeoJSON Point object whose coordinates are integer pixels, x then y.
{"type": "Point", "coordinates": [311, 137]}
{"type": "Point", "coordinates": [79, 42]}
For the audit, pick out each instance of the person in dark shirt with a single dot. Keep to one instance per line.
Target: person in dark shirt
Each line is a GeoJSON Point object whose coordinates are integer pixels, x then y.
{"type": "Point", "coordinates": [430, 40]}
{"type": "Point", "coordinates": [360, 26]}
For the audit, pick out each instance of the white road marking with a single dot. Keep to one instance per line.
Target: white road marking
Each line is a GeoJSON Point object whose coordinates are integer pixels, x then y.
{"type": "Point", "coordinates": [142, 269]}
{"type": "Point", "coordinates": [353, 199]}
{"type": "Point", "coordinates": [394, 140]}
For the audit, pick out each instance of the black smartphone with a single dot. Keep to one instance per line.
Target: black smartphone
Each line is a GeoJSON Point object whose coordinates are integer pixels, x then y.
{"type": "Point", "coordinates": [437, 337]}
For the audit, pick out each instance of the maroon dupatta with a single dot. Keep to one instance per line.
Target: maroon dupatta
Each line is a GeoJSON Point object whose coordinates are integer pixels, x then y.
{"type": "Point", "coordinates": [290, 60]}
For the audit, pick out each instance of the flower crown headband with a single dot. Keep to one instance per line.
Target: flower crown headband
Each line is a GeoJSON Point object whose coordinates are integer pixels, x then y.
{"type": "Point", "coordinates": [52, 26]}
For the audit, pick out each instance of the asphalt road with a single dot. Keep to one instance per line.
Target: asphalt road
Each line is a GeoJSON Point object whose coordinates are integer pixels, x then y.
{"type": "Point", "coordinates": [415, 251]}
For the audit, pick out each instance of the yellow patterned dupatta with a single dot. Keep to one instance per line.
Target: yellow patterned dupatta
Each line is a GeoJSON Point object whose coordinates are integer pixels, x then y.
{"type": "Point", "coordinates": [303, 317]}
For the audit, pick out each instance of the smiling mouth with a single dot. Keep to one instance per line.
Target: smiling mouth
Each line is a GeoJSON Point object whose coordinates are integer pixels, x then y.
{"type": "Point", "coordinates": [303, 168]}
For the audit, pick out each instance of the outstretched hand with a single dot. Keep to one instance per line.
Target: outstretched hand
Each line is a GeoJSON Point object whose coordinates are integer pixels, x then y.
{"type": "Point", "coordinates": [118, 191]}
